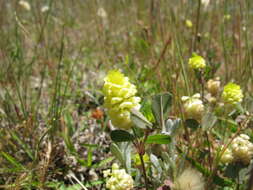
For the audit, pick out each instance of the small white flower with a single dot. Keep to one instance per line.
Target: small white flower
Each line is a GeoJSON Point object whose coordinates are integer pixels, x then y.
{"type": "Point", "coordinates": [25, 5]}
{"type": "Point", "coordinates": [205, 3]}
{"type": "Point", "coordinates": [101, 12]}
{"type": "Point", "coordinates": [44, 9]}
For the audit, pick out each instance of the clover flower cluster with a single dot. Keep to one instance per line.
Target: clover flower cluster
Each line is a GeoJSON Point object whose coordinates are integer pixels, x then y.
{"type": "Point", "coordinates": [227, 156]}
{"type": "Point", "coordinates": [213, 86]}
{"type": "Point", "coordinates": [232, 94]}
{"type": "Point", "coordinates": [241, 149]}
{"type": "Point", "coordinates": [197, 62]}
{"type": "Point", "coordinates": [189, 179]}
{"type": "Point", "coordinates": [118, 179]}
{"type": "Point", "coordinates": [120, 99]}
{"type": "Point", "coordinates": [193, 106]}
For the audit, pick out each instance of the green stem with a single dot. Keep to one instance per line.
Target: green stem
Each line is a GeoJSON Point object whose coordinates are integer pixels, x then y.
{"type": "Point", "coordinates": [144, 171]}
{"type": "Point", "coordinates": [197, 27]}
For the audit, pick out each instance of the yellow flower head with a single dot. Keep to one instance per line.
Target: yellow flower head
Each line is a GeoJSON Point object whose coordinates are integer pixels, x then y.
{"type": "Point", "coordinates": [119, 99]}
{"type": "Point", "coordinates": [188, 23]}
{"type": "Point", "coordinates": [197, 62]}
{"type": "Point", "coordinates": [232, 94]}
{"type": "Point", "coordinates": [137, 160]}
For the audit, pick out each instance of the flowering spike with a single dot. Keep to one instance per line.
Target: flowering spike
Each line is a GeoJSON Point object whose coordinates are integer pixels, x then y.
{"type": "Point", "coordinates": [119, 99]}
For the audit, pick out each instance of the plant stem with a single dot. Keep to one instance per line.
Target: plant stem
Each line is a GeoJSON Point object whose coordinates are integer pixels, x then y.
{"type": "Point", "coordinates": [144, 171]}
{"type": "Point", "coordinates": [202, 86]}
{"type": "Point", "coordinates": [197, 26]}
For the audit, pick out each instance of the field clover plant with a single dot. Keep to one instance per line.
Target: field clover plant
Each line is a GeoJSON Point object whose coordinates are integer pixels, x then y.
{"type": "Point", "coordinates": [154, 139]}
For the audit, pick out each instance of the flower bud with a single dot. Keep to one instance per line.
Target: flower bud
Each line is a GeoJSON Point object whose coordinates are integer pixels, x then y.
{"type": "Point", "coordinates": [213, 86]}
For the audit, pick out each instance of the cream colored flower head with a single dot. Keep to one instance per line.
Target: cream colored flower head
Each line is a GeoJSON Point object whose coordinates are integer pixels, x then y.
{"type": "Point", "coordinates": [44, 9]}
{"type": "Point", "coordinates": [205, 3]}
{"type": "Point", "coordinates": [242, 149]}
{"type": "Point", "coordinates": [197, 62]}
{"type": "Point", "coordinates": [232, 94]}
{"type": "Point", "coordinates": [227, 156]}
{"type": "Point", "coordinates": [118, 179]}
{"type": "Point", "coordinates": [193, 106]}
{"type": "Point", "coordinates": [101, 12]}
{"type": "Point", "coordinates": [25, 5]}
{"type": "Point", "coordinates": [213, 86]}
{"type": "Point", "coordinates": [120, 99]}
{"type": "Point", "coordinates": [190, 179]}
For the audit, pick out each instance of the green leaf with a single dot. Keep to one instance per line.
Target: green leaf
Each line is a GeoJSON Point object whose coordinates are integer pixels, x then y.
{"type": "Point", "coordinates": [121, 136]}
{"type": "Point", "coordinates": [146, 110]}
{"type": "Point", "coordinates": [209, 121]}
{"type": "Point", "coordinates": [230, 124]}
{"type": "Point", "coordinates": [117, 153]}
{"type": "Point", "coordinates": [161, 104]}
{"type": "Point", "coordinates": [90, 145]}
{"type": "Point", "coordinates": [25, 146]}
{"type": "Point", "coordinates": [138, 132]}
{"type": "Point", "coordinates": [127, 150]}
{"type": "Point", "coordinates": [155, 162]}
{"type": "Point", "coordinates": [216, 178]}
{"type": "Point", "coordinates": [158, 139]}
{"type": "Point", "coordinates": [94, 183]}
{"type": "Point", "coordinates": [89, 157]}
{"type": "Point", "coordinates": [192, 123]}
{"type": "Point", "coordinates": [103, 162]}
{"type": "Point", "coordinates": [139, 120]}
{"type": "Point", "coordinates": [12, 160]}
{"type": "Point", "coordinates": [172, 126]}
